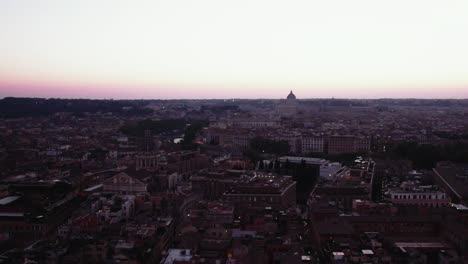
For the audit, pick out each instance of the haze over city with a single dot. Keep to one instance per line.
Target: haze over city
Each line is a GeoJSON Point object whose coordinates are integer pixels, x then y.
{"type": "Point", "coordinates": [234, 132]}
{"type": "Point", "coordinates": [239, 49]}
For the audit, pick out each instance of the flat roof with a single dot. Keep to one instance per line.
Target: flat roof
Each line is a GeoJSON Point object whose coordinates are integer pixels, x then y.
{"type": "Point", "coordinates": [122, 244]}
{"type": "Point", "coordinates": [460, 207]}
{"type": "Point", "coordinates": [242, 233]}
{"type": "Point", "coordinates": [448, 177]}
{"type": "Point", "coordinates": [420, 245]}
{"type": "Point", "coordinates": [176, 254]}
{"type": "Point", "coordinates": [306, 159]}
{"type": "Point", "coordinates": [9, 199]}
{"type": "Point", "coordinates": [11, 214]}
{"type": "Point", "coordinates": [93, 188]}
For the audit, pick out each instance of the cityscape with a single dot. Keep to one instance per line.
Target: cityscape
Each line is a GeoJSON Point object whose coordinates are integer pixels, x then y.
{"type": "Point", "coordinates": [233, 132]}
{"type": "Point", "coordinates": [234, 181]}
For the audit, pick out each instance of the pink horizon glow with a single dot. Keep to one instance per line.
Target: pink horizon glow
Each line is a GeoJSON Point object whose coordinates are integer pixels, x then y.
{"type": "Point", "coordinates": [173, 49]}
{"type": "Point", "coordinates": [44, 89]}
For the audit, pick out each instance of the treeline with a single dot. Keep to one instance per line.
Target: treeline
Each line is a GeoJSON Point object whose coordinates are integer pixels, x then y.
{"type": "Point", "coordinates": [220, 107]}
{"type": "Point", "coordinates": [11, 107]}
{"type": "Point", "coordinates": [424, 156]}
{"type": "Point", "coordinates": [423, 102]}
{"type": "Point", "coordinates": [191, 132]}
{"type": "Point", "coordinates": [260, 146]}
{"type": "Point", "coordinates": [391, 102]}
{"type": "Point", "coordinates": [190, 128]}
{"type": "Point", "coordinates": [451, 136]}
{"type": "Point", "coordinates": [155, 126]}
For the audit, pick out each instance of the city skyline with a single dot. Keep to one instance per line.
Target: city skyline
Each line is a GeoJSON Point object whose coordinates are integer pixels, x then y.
{"type": "Point", "coordinates": [248, 49]}
{"type": "Point", "coordinates": [246, 131]}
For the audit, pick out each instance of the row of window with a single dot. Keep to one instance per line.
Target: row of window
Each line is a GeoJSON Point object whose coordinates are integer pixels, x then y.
{"type": "Point", "coordinates": [419, 196]}
{"type": "Point", "coordinates": [23, 227]}
{"type": "Point", "coordinates": [255, 199]}
{"type": "Point", "coordinates": [432, 205]}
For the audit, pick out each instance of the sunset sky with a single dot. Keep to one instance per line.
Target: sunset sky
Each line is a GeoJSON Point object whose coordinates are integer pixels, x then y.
{"type": "Point", "coordinates": [234, 49]}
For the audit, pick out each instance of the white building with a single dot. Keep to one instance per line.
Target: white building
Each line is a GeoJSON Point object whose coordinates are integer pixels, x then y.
{"type": "Point", "coordinates": [173, 179]}
{"type": "Point", "coordinates": [312, 144]}
{"type": "Point", "coordinates": [410, 193]}
{"type": "Point", "coordinates": [108, 211]}
{"type": "Point", "coordinates": [175, 255]}
{"type": "Point", "coordinates": [293, 139]}
{"type": "Point", "coordinates": [328, 169]}
{"type": "Point", "coordinates": [255, 123]}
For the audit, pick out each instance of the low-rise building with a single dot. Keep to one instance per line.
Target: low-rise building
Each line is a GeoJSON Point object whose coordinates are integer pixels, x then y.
{"type": "Point", "coordinates": [260, 190]}
{"type": "Point", "coordinates": [312, 144]}
{"type": "Point", "coordinates": [411, 194]}
{"type": "Point", "coordinates": [124, 184]}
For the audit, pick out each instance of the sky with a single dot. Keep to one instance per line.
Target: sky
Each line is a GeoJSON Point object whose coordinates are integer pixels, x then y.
{"type": "Point", "coordinates": [234, 49]}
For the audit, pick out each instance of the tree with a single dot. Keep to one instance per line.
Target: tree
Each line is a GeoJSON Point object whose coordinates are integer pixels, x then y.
{"type": "Point", "coordinates": [270, 166]}
{"type": "Point", "coordinates": [261, 165]}
{"type": "Point", "coordinates": [287, 165]}
{"type": "Point", "coordinates": [264, 145]}
{"type": "Point", "coordinates": [252, 155]}
{"type": "Point", "coordinates": [424, 156]}
{"type": "Point", "coordinates": [164, 205]}
{"type": "Point", "coordinates": [303, 163]}
{"type": "Point", "coordinates": [277, 166]}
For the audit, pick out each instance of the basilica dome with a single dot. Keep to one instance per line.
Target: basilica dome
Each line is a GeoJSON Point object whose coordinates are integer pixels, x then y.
{"type": "Point", "coordinates": [291, 96]}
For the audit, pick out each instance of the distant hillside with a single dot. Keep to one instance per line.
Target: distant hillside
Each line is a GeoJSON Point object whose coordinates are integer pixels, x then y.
{"type": "Point", "coordinates": [11, 107]}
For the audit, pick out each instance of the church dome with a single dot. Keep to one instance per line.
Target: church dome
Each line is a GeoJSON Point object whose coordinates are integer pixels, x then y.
{"type": "Point", "coordinates": [291, 96]}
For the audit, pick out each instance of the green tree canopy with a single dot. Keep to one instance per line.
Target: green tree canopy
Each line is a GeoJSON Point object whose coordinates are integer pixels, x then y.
{"type": "Point", "coordinates": [264, 145]}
